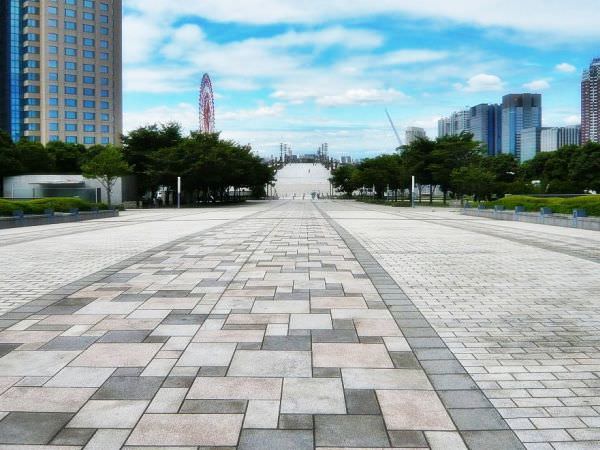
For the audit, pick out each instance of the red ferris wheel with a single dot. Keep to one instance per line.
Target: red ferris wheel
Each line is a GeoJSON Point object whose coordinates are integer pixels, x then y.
{"type": "Point", "coordinates": [207, 106]}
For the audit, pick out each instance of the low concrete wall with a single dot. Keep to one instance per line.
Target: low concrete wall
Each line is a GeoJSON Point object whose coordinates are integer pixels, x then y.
{"type": "Point", "coordinates": [31, 221]}
{"type": "Point", "coordinates": [558, 220]}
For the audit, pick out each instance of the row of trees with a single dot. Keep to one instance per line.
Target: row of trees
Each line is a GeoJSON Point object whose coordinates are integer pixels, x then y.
{"type": "Point", "coordinates": [208, 165]}
{"type": "Point", "coordinates": [458, 165]}
{"type": "Point", "coordinates": [156, 155]}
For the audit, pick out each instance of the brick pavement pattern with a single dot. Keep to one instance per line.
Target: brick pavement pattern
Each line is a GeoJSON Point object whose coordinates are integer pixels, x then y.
{"type": "Point", "coordinates": [279, 329]}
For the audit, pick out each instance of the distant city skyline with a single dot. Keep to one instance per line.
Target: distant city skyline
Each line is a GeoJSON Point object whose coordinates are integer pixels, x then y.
{"type": "Point", "coordinates": [309, 72]}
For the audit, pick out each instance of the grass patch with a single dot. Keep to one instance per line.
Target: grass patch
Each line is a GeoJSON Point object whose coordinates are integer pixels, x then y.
{"type": "Point", "coordinates": [591, 203]}
{"type": "Point", "coordinates": [38, 206]}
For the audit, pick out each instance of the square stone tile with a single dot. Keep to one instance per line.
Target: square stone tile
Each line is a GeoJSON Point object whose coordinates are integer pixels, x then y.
{"type": "Point", "coordinates": [28, 428]}
{"type": "Point", "coordinates": [445, 440]}
{"type": "Point", "coordinates": [43, 399]}
{"type": "Point", "coordinates": [377, 327]}
{"type": "Point", "coordinates": [276, 439]}
{"type": "Point", "coordinates": [385, 379]}
{"type": "Point", "coordinates": [313, 396]}
{"type": "Point", "coordinates": [396, 344]}
{"type": "Point", "coordinates": [167, 400]}
{"type": "Point", "coordinates": [492, 440]}
{"type": "Point", "coordinates": [102, 307]}
{"type": "Point", "coordinates": [350, 431]}
{"type": "Point", "coordinates": [236, 388]}
{"type": "Point", "coordinates": [409, 439]}
{"type": "Point", "coordinates": [351, 355]}
{"type": "Point", "coordinates": [413, 410]}
{"type": "Point", "coordinates": [262, 414]}
{"type": "Point", "coordinates": [205, 430]}
{"type": "Point", "coordinates": [109, 414]}
{"type": "Point", "coordinates": [117, 355]}
{"type": "Point", "coordinates": [207, 354]}
{"type": "Point", "coordinates": [34, 363]}
{"type": "Point", "coordinates": [337, 302]}
{"type": "Point", "coordinates": [264, 363]}
{"type": "Point", "coordinates": [175, 330]}
{"type": "Point", "coordinates": [170, 303]}
{"type": "Point", "coordinates": [310, 322]}
{"type": "Point", "coordinates": [129, 388]}
{"type": "Point", "coordinates": [107, 439]}
{"type": "Point", "coordinates": [69, 343]}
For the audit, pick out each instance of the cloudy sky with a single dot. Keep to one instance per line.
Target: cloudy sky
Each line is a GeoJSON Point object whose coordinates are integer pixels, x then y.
{"type": "Point", "coordinates": [313, 71]}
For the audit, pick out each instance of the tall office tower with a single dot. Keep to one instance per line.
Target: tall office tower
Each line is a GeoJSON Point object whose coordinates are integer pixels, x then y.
{"type": "Point", "coordinates": [486, 125]}
{"type": "Point", "coordinates": [554, 138]}
{"type": "Point", "coordinates": [61, 70]}
{"type": "Point", "coordinates": [454, 124]}
{"type": "Point", "coordinates": [413, 133]}
{"type": "Point", "coordinates": [531, 142]}
{"type": "Point", "coordinates": [519, 111]}
{"type": "Point", "coordinates": [590, 103]}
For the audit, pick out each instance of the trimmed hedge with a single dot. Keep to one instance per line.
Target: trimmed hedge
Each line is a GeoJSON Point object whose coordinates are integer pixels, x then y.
{"type": "Point", "coordinates": [40, 205]}
{"type": "Point", "coordinates": [590, 203]}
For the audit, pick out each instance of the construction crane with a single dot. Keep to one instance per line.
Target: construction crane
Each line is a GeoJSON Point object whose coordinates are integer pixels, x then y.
{"type": "Point", "coordinates": [394, 128]}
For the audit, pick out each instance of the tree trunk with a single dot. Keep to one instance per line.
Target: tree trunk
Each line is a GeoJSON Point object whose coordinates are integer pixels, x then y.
{"type": "Point", "coordinates": [431, 194]}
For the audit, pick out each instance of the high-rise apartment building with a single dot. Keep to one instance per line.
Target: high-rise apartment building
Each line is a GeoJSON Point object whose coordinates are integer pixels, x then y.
{"type": "Point", "coordinates": [486, 125]}
{"type": "Point", "coordinates": [454, 124]}
{"type": "Point", "coordinates": [519, 111]}
{"type": "Point", "coordinates": [61, 70]}
{"type": "Point", "coordinates": [590, 103]}
{"type": "Point", "coordinates": [411, 134]}
{"type": "Point", "coordinates": [554, 138]}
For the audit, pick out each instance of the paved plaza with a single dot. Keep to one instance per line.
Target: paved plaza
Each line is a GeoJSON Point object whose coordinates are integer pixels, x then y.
{"type": "Point", "coordinates": [300, 325]}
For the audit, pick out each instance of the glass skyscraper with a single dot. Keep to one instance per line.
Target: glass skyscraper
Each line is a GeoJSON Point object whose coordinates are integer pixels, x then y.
{"type": "Point", "coordinates": [519, 111]}
{"type": "Point", "coordinates": [486, 125]}
{"type": "Point", "coordinates": [61, 70]}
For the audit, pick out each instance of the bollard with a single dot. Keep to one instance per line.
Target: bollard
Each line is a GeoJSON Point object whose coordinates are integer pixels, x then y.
{"type": "Point", "coordinates": [577, 213]}
{"type": "Point", "coordinates": [518, 211]}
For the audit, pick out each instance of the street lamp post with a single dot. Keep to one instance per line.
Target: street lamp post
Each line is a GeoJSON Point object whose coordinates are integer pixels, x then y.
{"type": "Point", "coordinates": [178, 192]}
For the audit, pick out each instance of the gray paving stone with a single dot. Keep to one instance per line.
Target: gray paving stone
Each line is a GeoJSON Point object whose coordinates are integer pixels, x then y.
{"type": "Point", "coordinates": [492, 440]}
{"type": "Point", "coordinates": [73, 436]}
{"type": "Point", "coordinates": [31, 427]}
{"type": "Point", "coordinates": [336, 335]}
{"type": "Point", "coordinates": [286, 343]}
{"type": "Point", "coordinates": [405, 360]}
{"type": "Point", "coordinates": [69, 343]}
{"type": "Point", "coordinates": [124, 336]}
{"type": "Point", "coordinates": [464, 399]}
{"type": "Point", "coordinates": [129, 388]}
{"type": "Point", "coordinates": [350, 431]}
{"type": "Point", "coordinates": [361, 401]}
{"type": "Point", "coordinates": [477, 419]}
{"type": "Point", "coordinates": [214, 407]}
{"type": "Point", "coordinates": [296, 421]}
{"type": "Point", "coordinates": [408, 439]}
{"type": "Point", "coordinates": [276, 439]}
{"type": "Point", "coordinates": [452, 382]}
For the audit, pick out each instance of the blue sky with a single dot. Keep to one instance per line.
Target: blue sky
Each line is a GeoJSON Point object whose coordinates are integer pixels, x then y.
{"type": "Point", "coordinates": [314, 71]}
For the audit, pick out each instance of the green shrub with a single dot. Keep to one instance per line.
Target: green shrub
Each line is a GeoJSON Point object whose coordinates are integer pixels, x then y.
{"type": "Point", "coordinates": [40, 205]}
{"type": "Point", "coordinates": [590, 203]}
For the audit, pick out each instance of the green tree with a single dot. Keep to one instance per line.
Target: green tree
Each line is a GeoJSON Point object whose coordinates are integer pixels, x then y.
{"type": "Point", "coordinates": [10, 163]}
{"type": "Point", "coordinates": [67, 157]}
{"type": "Point", "coordinates": [140, 148]}
{"type": "Point", "coordinates": [106, 167]}
{"type": "Point", "coordinates": [34, 158]}
{"type": "Point", "coordinates": [417, 159]}
{"type": "Point", "coordinates": [343, 179]}
{"type": "Point", "coordinates": [380, 172]}
{"type": "Point", "coordinates": [450, 153]}
{"type": "Point", "coordinates": [584, 167]}
{"type": "Point", "coordinates": [472, 180]}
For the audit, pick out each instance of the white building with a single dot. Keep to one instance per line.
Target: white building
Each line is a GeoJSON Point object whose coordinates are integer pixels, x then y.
{"type": "Point", "coordinates": [554, 138]}
{"type": "Point", "coordinates": [414, 133]}
{"type": "Point", "coordinates": [455, 124]}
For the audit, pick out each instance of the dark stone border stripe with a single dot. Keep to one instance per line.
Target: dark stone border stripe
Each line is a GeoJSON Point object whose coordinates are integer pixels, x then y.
{"type": "Point", "coordinates": [476, 419]}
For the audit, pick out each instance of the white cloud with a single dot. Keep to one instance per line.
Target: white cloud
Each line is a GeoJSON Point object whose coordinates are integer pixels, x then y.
{"type": "Point", "coordinates": [183, 113]}
{"type": "Point", "coordinates": [536, 16]}
{"type": "Point", "coordinates": [482, 82]}
{"type": "Point", "coordinates": [362, 97]}
{"type": "Point", "coordinates": [537, 85]}
{"type": "Point", "coordinates": [274, 110]}
{"type": "Point", "coordinates": [572, 120]}
{"type": "Point", "coordinates": [565, 68]}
